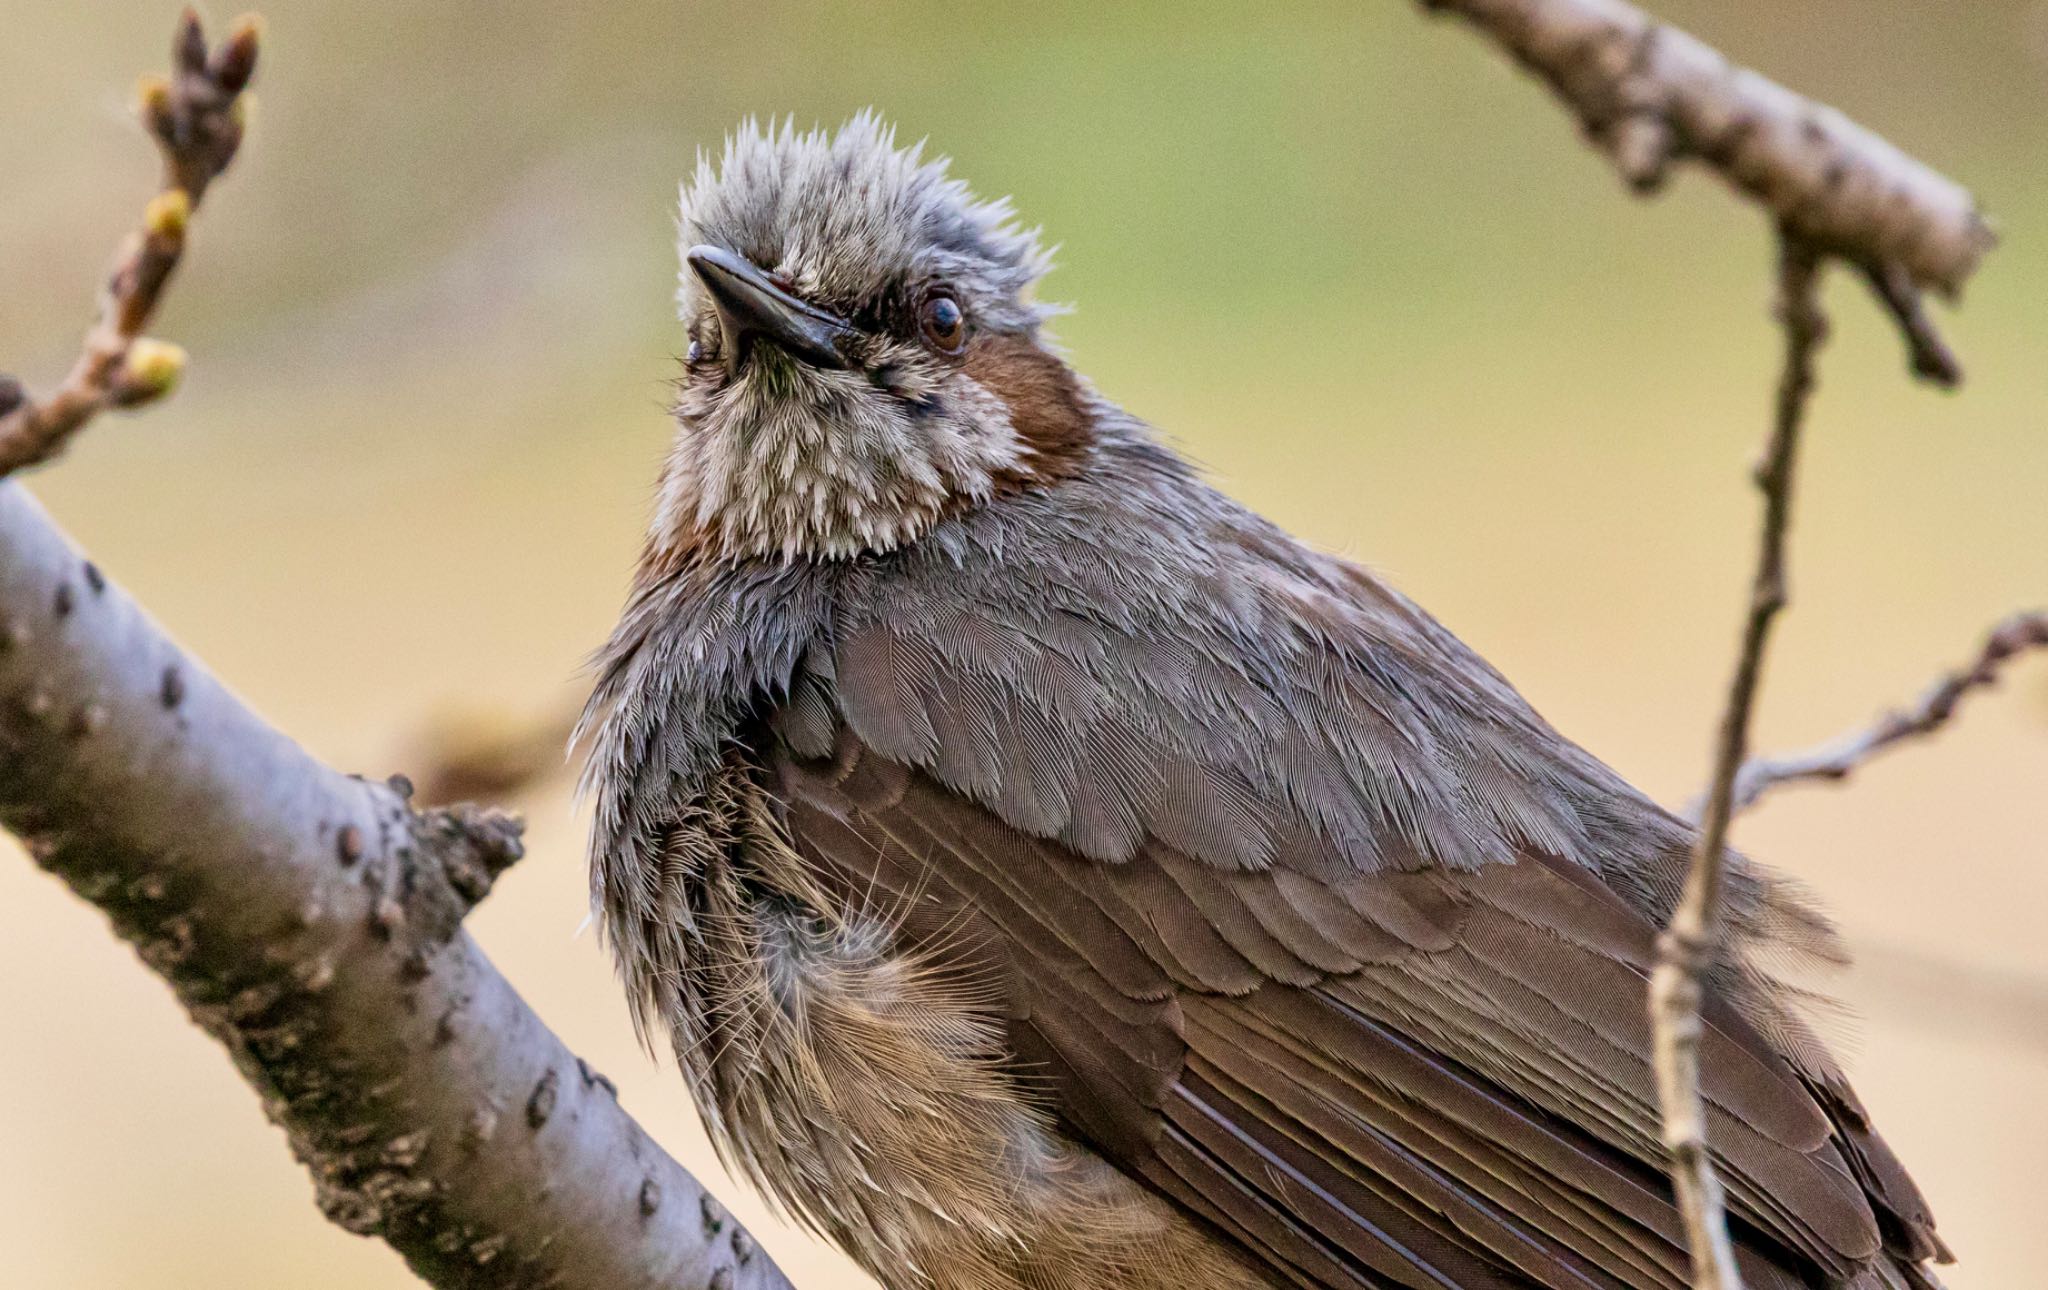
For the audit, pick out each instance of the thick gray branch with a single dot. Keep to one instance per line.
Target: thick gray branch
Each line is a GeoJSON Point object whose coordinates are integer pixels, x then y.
{"type": "Point", "coordinates": [311, 922]}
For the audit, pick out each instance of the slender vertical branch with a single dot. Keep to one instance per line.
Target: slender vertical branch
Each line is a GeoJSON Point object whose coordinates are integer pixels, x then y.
{"type": "Point", "coordinates": [1689, 945]}
{"type": "Point", "coordinates": [1650, 96]}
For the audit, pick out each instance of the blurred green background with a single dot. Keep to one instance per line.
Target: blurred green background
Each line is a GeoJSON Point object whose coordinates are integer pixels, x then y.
{"type": "Point", "coordinates": [1352, 262]}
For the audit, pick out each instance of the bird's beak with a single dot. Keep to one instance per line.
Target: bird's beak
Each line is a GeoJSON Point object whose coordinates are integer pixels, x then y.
{"type": "Point", "coordinates": [751, 307]}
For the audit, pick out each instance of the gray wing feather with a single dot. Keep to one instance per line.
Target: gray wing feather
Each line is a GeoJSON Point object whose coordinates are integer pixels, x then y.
{"type": "Point", "coordinates": [1107, 665]}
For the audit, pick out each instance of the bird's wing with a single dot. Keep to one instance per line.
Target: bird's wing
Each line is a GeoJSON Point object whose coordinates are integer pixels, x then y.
{"type": "Point", "coordinates": [1435, 1078]}
{"type": "Point", "coordinates": [1300, 920]}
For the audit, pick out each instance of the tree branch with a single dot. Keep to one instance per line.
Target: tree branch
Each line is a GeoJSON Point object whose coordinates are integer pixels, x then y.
{"type": "Point", "coordinates": [310, 922]}
{"type": "Point", "coordinates": [1689, 944]}
{"type": "Point", "coordinates": [196, 118]}
{"type": "Point", "coordinates": [1839, 758]}
{"type": "Point", "coordinates": [1649, 95]}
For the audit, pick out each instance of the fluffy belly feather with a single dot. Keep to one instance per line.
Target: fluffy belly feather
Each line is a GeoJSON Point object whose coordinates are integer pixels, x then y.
{"type": "Point", "coordinates": [872, 1094]}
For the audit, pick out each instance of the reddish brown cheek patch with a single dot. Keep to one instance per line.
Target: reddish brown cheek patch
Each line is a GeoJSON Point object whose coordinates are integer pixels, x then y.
{"type": "Point", "coordinates": [1043, 397]}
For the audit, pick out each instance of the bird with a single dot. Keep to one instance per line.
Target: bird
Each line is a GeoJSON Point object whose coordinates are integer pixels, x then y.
{"type": "Point", "coordinates": [1049, 873]}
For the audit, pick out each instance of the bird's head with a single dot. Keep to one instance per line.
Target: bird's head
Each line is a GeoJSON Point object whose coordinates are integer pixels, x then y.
{"type": "Point", "coordinates": [864, 355]}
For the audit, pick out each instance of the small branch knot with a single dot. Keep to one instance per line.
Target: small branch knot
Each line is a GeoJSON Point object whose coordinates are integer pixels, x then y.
{"type": "Point", "coordinates": [483, 842]}
{"type": "Point", "coordinates": [1685, 949]}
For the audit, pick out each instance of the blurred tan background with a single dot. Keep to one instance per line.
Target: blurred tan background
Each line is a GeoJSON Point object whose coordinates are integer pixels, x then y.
{"type": "Point", "coordinates": [1353, 263]}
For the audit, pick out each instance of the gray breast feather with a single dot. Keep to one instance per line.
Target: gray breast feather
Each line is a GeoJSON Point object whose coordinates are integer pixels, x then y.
{"type": "Point", "coordinates": [700, 651]}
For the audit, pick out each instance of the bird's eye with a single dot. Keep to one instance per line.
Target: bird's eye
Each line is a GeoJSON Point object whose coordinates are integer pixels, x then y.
{"type": "Point", "coordinates": [944, 325]}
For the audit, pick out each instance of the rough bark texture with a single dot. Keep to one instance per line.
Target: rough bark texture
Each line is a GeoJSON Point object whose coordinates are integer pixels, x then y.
{"type": "Point", "coordinates": [311, 922]}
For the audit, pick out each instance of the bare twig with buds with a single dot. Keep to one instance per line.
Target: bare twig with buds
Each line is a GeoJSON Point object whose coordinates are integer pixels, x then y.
{"type": "Point", "coordinates": [195, 116]}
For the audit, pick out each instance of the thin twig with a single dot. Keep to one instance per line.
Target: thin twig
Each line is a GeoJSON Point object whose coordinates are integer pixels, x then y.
{"type": "Point", "coordinates": [1649, 96]}
{"type": "Point", "coordinates": [196, 118]}
{"type": "Point", "coordinates": [1690, 943]}
{"type": "Point", "coordinates": [1839, 758]}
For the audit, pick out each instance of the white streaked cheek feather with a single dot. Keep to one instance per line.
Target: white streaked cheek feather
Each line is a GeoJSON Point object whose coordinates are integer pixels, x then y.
{"type": "Point", "coordinates": [831, 468]}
